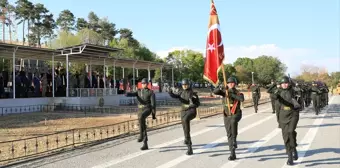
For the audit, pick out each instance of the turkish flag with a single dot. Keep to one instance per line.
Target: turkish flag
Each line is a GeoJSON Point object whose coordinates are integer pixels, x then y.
{"type": "Point", "coordinates": [214, 49]}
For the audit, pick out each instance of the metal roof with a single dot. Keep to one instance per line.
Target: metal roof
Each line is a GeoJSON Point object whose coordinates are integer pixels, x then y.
{"type": "Point", "coordinates": [84, 53]}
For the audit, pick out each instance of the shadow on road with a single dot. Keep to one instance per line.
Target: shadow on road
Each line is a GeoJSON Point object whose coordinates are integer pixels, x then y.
{"type": "Point", "coordinates": [319, 162]}
{"type": "Point", "coordinates": [183, 147]}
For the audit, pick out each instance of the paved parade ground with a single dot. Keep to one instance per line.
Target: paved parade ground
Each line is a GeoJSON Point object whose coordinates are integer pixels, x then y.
{"type": "Point", "coordinates": [260, 145]}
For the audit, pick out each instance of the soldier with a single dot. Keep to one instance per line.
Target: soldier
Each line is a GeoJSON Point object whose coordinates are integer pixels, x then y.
{"type": "Point", "coordinates": [288, 117]}
{"type": "Point", "coordinates": [146, 105]}
{"type": "Point", "coordinates": [308, 94]}
{"type": "Point", "coordinates": [231, 116]}
{"type": "Point", "coordinates": [316, 97]}
{"type": "Point", "coordinates": [299, 95]}
{"type": "Point", "coordinates": [326, 94]}
{"type": "Point", "coordinates": [272, 100]}
{"type": "Point", "coordinates": [190, 102]}
{"type": "Point", "coordinates": [256, 95]}
{"type": "Point", "coordinates": [271, 90]}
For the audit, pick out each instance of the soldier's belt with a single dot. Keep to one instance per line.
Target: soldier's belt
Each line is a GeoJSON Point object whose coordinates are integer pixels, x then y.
{"type": "Point", "coordinates": [142, 106]}
{"type": "Point", "coordinates": [231, 105]}
{"type": "Point", "coordinates": [185, 105]}
{"type": "Point", "coordinates": [286, 108]}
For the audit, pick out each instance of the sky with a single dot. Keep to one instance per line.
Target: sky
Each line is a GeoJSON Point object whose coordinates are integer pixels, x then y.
{"type": "Point", "coordinates": [298, 32]}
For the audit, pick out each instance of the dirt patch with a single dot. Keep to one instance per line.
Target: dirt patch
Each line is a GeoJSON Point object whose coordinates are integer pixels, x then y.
{"type": "Point", "coordinates": [19, 126]}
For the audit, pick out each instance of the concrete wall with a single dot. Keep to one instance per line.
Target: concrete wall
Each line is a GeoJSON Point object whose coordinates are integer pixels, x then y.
{"type": "Point", "coordinates": [110, 100]}
{"type": "Point", "coordinates": [23, 105]}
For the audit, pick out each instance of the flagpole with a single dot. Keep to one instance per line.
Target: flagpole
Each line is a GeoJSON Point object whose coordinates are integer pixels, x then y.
{"type": "Point", "coordinates": [226, 90]}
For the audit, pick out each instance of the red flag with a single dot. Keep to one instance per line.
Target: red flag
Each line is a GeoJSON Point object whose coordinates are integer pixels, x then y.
{"type": "Point", "coordinates": [214, 49]}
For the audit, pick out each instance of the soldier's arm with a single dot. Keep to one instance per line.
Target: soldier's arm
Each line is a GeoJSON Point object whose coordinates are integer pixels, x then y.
{"type": "Point", "coordinates": [191, 102]}
{"type": "Point", "coordinates": [271, 89]}
{"type": "Point", "coordinates": [132, 94]}
{"type": "Point", "coordinates": [219, 91]}
{"type": "Point", "coordinates": [173, 95]}
{"type": "Point", "coordinates": [286, 101]}
{"type": "Point", "coordinates": [237, 95]}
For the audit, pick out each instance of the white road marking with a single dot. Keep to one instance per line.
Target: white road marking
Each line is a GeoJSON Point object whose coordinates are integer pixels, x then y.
{"type": "Point", "coordinates": [136, 154]}
{"type": "Point", "coordinates": [308, 139]}
{"type": "Point", "coordinates": [250, 151]}
{"type": "Point", "coordinates": [211, 145]}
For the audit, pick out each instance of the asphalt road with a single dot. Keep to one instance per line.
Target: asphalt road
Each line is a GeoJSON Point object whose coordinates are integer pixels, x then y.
{"type": "Point", "coordinates": [260, 145]}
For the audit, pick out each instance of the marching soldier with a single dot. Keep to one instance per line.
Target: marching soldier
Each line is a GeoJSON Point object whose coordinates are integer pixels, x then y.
{"type": "Point", "coordinates": [146, 106]}
{"type": "Point", "coordinates": [256, 95]}
{"type": "Point", "coordinates": [299, 95]}
{"type": "Point", "coordinates": [271, 90]}
{"type": "Point", "coordinates": [272, 99]}
{"type": "Point", "coordinates": [326, 94]}
{"type": "Point", "coordinates": [316, 97]}
{"type": "Point", "coordinates": [231, 116]}
{"type": "Point", "coordinates": [308, 94]}
{"type": "Point", "coordinates": [190, 102]}
{"type": "Point", "coordinates": [288, 117]}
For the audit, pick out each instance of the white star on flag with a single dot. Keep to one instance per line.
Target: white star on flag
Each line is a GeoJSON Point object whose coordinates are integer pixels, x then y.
{"type": "Point", "coordinates": [211, 47]}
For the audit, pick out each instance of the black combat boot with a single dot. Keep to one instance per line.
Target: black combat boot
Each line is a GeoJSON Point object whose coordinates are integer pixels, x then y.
{"type": "Point", "coordinates": [145, 146]}
{"type": "Point", "coordinates": [232, 154]}
{"type": "Point", "coordinates": [189, 145]}
{"type": "Point", "coordinates": [295, 154]}
{"type": "Point", "coordinates": [290, 158]}
{"type": "Point", "coordinates": [145, 142]}
{"type": "Point", "coordinates": [189, 152]}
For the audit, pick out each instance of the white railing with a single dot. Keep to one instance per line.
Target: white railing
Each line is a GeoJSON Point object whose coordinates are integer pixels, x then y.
{"type": "Point", "coordinates": [92, 92]}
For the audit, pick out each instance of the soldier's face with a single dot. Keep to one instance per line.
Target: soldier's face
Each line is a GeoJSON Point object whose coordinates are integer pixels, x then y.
{"type": "Point", "coordinates": [185, 86]}
{"type": "Point", "coordinates": [231, 85]}
{"type": "Point", "coordinates": [278, 86]}
{"type": "Point", "coordinates": [284, 85]}
{"type": "Point", "coordinates": [144, 85]}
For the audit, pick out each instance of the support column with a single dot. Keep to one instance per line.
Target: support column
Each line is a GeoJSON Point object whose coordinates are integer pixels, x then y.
{"type": "Point", "coordinates": [104, 72]}
{"type": "Point", "coordinates": [67, 77]}
{"type": "Point", "coordinates": [91, 74]}
{"type": "Point", "coordinates": [123, 73]}
{"type": "Point", "coordinates": [137, 73]}
{"type": "Point", "coordinates": [133, 76]}
{"type": "Point", "coordinates": [160, 85]}
{"type": "Point", "coordinates": [114, 74]}
{"type": "Point", "coordinates": [53, 84]}
{"type": "Point", "coordinates": [13, 78]}
{"type": "Point", "coordinates": [149, 77]}
{"type": "Point", "coordinates": [172, 76]}
{"type": "Point", "coordinates": [162, 74]}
